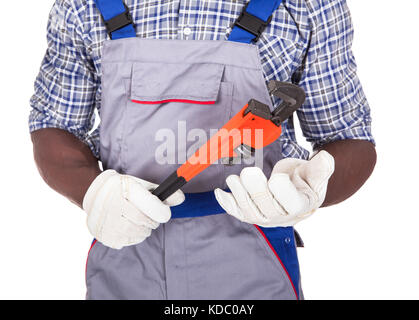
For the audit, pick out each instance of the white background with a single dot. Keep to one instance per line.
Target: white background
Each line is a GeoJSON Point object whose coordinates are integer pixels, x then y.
{"type": "Point", "coordinates": [364, 248]}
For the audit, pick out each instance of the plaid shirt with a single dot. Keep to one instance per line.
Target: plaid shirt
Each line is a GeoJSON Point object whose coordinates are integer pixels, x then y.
{"type": "Point", "coordinates": [309, 39]}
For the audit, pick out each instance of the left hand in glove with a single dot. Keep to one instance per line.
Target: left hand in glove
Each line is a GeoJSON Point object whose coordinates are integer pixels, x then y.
{"type": "Point", "coordinates": [294, 191]}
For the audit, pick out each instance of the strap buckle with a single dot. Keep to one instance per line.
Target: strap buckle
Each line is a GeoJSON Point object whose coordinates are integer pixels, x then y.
{"type": "Point", "coordinates": [251, 23]}
{"type": "Point", "coordinates": [118, 22]}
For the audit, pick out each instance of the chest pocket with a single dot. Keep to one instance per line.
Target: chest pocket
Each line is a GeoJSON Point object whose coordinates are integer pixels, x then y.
{"type": "Point", "coordinates": [156, 83]}
{"type": "Point", "coordinates": [281, 47]}
{"type": "Point", "coordinates": [171, 110]}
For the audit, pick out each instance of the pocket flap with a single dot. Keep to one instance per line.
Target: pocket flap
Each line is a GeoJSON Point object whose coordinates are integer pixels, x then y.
{"type": "Point", "coordinates": [154, 83]}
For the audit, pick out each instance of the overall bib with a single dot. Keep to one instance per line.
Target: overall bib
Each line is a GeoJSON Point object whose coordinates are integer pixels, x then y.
{"type": "Point", "coordinates": [180, 89]}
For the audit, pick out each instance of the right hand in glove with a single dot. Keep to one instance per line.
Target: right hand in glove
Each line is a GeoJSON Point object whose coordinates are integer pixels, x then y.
{"type": "Point", "coordinates": [121, 210]}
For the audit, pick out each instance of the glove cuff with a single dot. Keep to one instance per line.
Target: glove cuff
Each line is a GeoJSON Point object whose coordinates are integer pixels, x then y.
{"type": "Point", "coordinates": [94, 188]}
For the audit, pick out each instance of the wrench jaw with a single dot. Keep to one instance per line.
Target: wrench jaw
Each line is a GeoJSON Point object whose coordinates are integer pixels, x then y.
{"type": "Point", "coordinates": [292, 97]}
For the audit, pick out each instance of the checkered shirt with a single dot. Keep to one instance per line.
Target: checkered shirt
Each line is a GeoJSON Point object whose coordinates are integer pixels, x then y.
{"type": "Point", "coordinates": [309, 41]}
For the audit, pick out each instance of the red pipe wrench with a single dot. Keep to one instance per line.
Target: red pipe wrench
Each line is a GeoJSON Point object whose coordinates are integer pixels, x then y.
{"type": "Point", "coordinates": [253, 127]}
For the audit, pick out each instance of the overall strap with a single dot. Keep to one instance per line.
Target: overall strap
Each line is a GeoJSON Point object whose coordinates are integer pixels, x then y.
{"type": "Point", "coordinates": [117, 18]}
{"type": "Point", "coordinates": [253, 20]}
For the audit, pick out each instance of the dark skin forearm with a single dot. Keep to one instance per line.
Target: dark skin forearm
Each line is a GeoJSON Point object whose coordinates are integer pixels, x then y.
{"type": "Point", "coordinates": [354, 163]}
{"type": "Point", "coordinates": [69, 167]}
{"type": "Point", "coordinates": [65, 163]}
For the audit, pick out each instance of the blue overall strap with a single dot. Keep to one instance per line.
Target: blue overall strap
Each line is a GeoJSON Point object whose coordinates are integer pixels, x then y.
{"type": "Point", "coordinates": [254, 18]}
{"type": "Point", "coordinates": [117, 18]}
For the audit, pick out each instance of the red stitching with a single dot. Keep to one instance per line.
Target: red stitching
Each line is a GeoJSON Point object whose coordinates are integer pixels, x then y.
{"type": "Point", "coordinates": [88, 253]}
{"type": "Point", "coordinates": [279, 259]}
{"type": "Point", "coordinates": [174, 100]}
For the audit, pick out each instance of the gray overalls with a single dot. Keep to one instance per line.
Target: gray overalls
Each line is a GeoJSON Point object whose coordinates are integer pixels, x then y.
{"type": "Point", "coordinates": [152, 85]}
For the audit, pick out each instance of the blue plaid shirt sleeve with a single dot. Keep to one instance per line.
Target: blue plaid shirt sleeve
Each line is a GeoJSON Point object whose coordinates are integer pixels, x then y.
{"type": "Point", "coordinates": [66, 86]}
{"type": "Point", "coordinates": [336, 107]}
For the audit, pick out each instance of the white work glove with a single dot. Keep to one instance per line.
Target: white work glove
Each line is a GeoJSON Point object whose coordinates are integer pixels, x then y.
{"type": "Point", "coordinates": [294, 191]}
{"type": "Point", "coordinates": [121, 210]}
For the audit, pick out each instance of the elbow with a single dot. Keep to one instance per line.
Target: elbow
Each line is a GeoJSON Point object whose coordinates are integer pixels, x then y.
{"type": "Point", "coordinates": [355, 161]}
{"type": "Point", "coordinates": [368, 157]}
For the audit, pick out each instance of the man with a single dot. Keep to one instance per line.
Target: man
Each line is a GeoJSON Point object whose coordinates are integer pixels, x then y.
{"type": "Point", "coordinates": [182, 66]}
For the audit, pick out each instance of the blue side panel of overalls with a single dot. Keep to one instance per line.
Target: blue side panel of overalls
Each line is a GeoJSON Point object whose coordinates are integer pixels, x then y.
{"type": "Point", "coordinates": [282, 240]}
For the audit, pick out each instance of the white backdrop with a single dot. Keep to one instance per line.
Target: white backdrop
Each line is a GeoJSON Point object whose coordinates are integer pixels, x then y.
{"type": "Point", "coordinates": [364, 248]}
